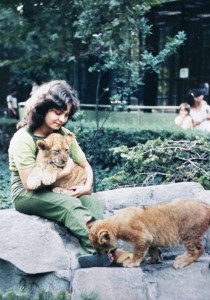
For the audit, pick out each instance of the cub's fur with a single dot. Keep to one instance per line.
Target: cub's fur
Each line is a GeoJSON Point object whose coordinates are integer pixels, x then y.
{"type": "Point", "coordinates": [52, 157]}
{"type": "Point", "coordinates": [176, 222]}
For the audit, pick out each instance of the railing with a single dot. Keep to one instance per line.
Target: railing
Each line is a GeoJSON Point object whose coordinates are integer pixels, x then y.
{"type": "Point", "coordinates": [124, 107]}
{"type": "Point", "coordinates": [153, 108]}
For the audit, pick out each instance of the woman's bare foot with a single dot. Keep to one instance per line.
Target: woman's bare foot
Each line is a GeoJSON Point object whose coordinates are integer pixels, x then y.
{"type": "Point", "coordinates": [119, 255]}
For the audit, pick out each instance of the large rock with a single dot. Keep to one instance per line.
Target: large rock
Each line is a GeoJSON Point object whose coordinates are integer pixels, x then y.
{"type": "Point", "coordinates": [39, 254]}
{"type": "Point", "coordinates": [149, 283]}
{"type": "Point", "coordinates": [35, 254]}
{"type": "Point", "coordinates": [149, 195]}
{"type": "Point", "coordinates": [31, 244]}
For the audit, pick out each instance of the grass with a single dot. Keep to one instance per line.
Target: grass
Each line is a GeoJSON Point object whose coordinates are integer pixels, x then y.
{"type": "Point", "coordinates": [129, 120]}
{"type": "Point", "coordinates": [126, 120]}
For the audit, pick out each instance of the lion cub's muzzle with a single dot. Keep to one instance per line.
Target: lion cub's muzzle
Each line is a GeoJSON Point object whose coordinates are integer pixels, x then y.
{"type": "Point", "coordinates": [100, 248]}
{"type": "Point", "coordinates": [59, 164]}
{"type": "Point", "coordinates": [60, 161]}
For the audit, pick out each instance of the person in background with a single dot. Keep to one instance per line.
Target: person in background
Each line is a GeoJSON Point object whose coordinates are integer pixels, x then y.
{"type": "Point", "coordinates": [184, 119]}
{"type": "Point", "coordinates": [199, 109]}
{"type": "Point", "coordinates": [12, 104]}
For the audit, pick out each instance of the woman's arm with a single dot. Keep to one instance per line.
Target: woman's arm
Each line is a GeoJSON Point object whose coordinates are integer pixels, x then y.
{"type": "Point", "coordinates": [24, 177]}
{"type": "Point", "coordinates": [80, 190]}
{"type": "Point", "coordinates": [89, 173]}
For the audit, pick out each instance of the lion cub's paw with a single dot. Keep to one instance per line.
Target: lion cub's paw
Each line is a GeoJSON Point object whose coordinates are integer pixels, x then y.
{"type": "Point", "coordinates": [129, 263]}
{"type": "Point", "coordinates": [48, 178]}
{"type": "Point", "coordinates": [33, 182]}
{"type": "Point", "coordinates": [180, 262]}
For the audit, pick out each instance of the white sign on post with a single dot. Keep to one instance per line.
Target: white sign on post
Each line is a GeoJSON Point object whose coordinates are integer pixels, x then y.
{"type": "Point", "coordinates": [184, 73]}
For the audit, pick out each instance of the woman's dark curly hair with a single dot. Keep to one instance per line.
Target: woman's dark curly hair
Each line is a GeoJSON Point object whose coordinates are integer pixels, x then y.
{"type": "Point", "coordinates": [55, 94]}
{"type": "Point", "coordinates": [192, 94]}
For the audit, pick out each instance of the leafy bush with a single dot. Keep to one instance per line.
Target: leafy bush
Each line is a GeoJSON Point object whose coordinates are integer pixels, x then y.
{"type": "Point", "coordinates": [42, 295]}
{"type": "Point", "coordinates": [108, 138]}
{"type": "Point", "coordinates": [160, 161]}
{"type": "Point", "coordinates": [145, 157]}
{"type": "Point", "coordinates": [6, 132]}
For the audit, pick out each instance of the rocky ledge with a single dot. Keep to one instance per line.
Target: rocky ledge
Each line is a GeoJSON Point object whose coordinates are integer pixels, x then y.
{"type": "Point", "coordinates": [38, 254]}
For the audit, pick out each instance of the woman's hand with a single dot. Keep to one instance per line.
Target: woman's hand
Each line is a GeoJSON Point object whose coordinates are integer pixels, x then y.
{"type": "Point", "coordinates": [80, 190]}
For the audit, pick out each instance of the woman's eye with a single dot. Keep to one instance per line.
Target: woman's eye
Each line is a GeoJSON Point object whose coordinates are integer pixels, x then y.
{"type": "Point", "coordinates": [58, 112]}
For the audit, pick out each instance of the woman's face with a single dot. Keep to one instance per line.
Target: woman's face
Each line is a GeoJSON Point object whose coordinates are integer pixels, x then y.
{"type": "Point", "coordinates": [56, 118]}
{"type": "Point", "coordinates": [199, 98]}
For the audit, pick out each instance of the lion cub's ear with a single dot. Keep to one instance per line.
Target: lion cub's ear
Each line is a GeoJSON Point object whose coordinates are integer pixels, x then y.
{"type": "Point", "coordinates": [103, 236]}
{"type": "Point", "coordinates": [43, 145]}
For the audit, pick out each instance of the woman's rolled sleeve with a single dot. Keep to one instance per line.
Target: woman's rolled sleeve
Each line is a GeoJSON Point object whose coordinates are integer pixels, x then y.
{"type": "Point", "coordinates": [22, 152]}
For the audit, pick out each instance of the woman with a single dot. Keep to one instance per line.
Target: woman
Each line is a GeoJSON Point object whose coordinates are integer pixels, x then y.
{"type": "Point", "coordinates": [199, 109]}
{"type": "Point", "coordinates": [48, 109]}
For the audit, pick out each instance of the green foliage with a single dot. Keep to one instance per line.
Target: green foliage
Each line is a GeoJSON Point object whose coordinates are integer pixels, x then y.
{"type": "Point", "coordinates": [7, 129]}
{"type": "Point", "coordinates": [145, 157]}
{"type": "Point", "coordinates": [113, 137]}
{"type": "Point", "coordinates": [149, 61]}
{"type": "Point", "coordinates": [91, 296]}
{"type": "Point", "coordinates": [43, 40]}
{"type": "Point", "coordinates": [11, 295]}
{"type": "Point", "coordinates": [42, 295]}
{"type": "Point", "coordinates": [161, 161]}
{"type": "Point", "coordinates": [115, 34]}
{"type": "Point", "coordinates": [37, 40]}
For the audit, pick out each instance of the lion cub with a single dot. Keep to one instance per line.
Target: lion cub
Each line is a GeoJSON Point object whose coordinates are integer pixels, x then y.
{"type": "Point", "coordinates": [168, 224]}
{"type": "Point", "coordinates": [52, 157]}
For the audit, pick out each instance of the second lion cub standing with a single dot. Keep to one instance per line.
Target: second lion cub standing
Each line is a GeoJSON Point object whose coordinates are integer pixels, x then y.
{"type": "Point", "coordinates": [164, 225]}
{"type": "Point", "coordinates": [52, 156]}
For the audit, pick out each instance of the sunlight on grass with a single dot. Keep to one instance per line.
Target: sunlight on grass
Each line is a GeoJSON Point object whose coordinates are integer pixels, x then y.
{"type": "Point", "coordinates": [131, 120]}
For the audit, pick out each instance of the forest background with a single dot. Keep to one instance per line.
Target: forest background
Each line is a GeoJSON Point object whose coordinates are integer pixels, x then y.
{"type": "Point", "coordinates": [78, 41]}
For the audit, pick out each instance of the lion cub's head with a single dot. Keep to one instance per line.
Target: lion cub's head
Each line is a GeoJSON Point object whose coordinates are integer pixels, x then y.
{"type": "Point", "coordinates": [56, 148]}
{"type": "Point", "coordinates": [101, 236]}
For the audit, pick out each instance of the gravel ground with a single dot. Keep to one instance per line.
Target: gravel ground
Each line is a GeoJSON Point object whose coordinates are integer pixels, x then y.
{"type": "Point", "coordinates": [5, 201]}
